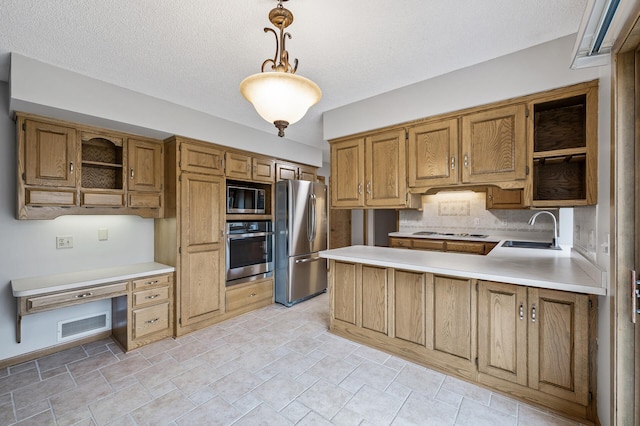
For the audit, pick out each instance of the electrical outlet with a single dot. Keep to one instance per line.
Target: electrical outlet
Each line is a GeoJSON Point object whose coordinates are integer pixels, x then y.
{"type": "Point", "coordinates": [103, 234]}
{"type": "Point", "coordinates": [505, 222]}
{"type": "Point", "coordinates": [64, 241]}
{"type": "Point", "coordinates": [476, 221]}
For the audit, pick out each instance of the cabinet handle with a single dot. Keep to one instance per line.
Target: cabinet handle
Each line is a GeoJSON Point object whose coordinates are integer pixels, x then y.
{"type": "Point", "coordinates": [151, 282]}
{"type": "Point", "coordinates": [453, 162]}
{"type": "Point", "coordinates": [70, 166]}
{"type": "Point", "coordinates": [521, 310]}
{"type": "Point", "coordinates": [152, 321]}
{"type": "Point", "coordinates": [635, 294]}
{"type": "Point", "coordinates": [80, 296]}
{"type": "Point", "coordinates": [132, 174]}
{"type": "Point", "coordinates": [252, 295]}
{"type": "Point", "coordinates": [152, 296]}
{"type": "Point", "coordinates": [248, 168]}
{"type": "Point", "coordinates": [533, 312]}
{"type": "Point", "coordinates": [369, 187]}
{"type": "Point", "coordinates": [255, 169]}
{"type": "Point", "coordinates": [360, 188]}
{"type": "Point", "coordinates": [466, 160]}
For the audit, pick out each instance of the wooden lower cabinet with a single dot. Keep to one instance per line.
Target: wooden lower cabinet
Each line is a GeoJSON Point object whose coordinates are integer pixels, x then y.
{"type": "Point", "coordinates": [248, 296]}
{"type": "Point", "coordinates": [534, 344]}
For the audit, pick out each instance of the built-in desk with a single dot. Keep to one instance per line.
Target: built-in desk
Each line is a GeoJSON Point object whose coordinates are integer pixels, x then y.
{"type": "Point", "coordinates": [141, 298]}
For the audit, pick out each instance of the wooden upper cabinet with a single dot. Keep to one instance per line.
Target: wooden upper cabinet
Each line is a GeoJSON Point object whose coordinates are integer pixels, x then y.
{"type": "Point", "coordinates": [347, 173]}
{"type": "Point", "coordinates": [385, 169]}
{"type": "Point", "coordinates": [263, 170]}
{"type": "Point", "coordinates": [289, 171]}
{"type": "Point", "coordinates": [145, 165]}
{"type": "Point", "coordinates": [196, 157]}
{"type": "Point", "coordinates": [433, 154]}
{"type": "Point", "coordinates": [494, 145]}
{"type": "Point", "coordinates": [246, 167]}
{"type": "Point", "coordinates": [50, 154]}
{"type": "Point", "coordinates": [238, 165]}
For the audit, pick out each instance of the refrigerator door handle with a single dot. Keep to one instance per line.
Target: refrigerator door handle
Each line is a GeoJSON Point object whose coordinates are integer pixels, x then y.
{"type": "Point", "coordinates": [309, 259]}
{"type": "Point", "coordinates": [311, 217]}
{"type": "Point", "coordinates": [314, 217]}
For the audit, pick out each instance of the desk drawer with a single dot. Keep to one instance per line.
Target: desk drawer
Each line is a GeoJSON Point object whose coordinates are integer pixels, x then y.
{"type": "Point", "coordinates": [244, 295]}
{"type": "Point", "coordinates": [155, 281]}
{"type": "Point", "coordinates": [152, 295]}
{"type": "Point", "coordinates": [150, 320]}
{"type": "Point", "coordinates": [72, 297]}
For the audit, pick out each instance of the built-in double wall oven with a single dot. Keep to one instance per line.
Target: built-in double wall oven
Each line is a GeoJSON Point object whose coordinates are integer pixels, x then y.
{"type": "Point", "coordinates": [249, 251]}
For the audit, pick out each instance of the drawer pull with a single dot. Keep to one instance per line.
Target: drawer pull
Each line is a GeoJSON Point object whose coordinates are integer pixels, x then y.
{"type": "Point", "coordinates": [80, 296]}
{"type": "Point", "coordinates": [151, 282]}
{"type": "Point", "coordinates": [533, 313]}
{"type": "Point", "coordinates": [152, 321]}
{"type": "Point", "coordinates": [253, 294]}
{"type": "Point", "coordinates": [152, 296]}
{"type": "Point", "coordinates": [521, 311]}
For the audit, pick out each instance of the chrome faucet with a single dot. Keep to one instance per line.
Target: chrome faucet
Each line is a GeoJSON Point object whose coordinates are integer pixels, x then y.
{"type": "Point", "coordinates": [556, 236]}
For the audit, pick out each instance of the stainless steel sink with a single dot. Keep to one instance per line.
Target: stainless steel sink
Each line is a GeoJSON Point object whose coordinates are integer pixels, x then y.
{"type": "Point", "coordinates": [529, 244]}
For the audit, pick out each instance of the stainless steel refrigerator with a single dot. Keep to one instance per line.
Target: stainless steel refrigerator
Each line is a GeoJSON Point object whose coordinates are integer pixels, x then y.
{"type": "Point", "coordinates": [301, 232]}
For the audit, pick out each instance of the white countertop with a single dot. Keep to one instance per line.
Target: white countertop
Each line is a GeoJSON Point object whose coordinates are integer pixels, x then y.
{"type": "Point", "coordinates": [553, 269]}
{"type": "Point", "coordinates": [72, 280]}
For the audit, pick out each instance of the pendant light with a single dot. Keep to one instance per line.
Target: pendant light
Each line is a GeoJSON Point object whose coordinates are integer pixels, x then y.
{"type": "Point", "coordinates": [279, 95]}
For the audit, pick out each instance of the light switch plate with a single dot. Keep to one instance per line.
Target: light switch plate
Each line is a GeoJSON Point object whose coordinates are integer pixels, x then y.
{"type": "Point", "coordinates": [103, 234]}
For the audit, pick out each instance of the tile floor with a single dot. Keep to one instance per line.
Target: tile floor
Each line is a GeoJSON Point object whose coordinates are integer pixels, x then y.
{"type": "Point", "coordinates": [274, 366]}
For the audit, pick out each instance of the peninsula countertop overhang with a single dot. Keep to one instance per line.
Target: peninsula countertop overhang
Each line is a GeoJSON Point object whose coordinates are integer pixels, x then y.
{"type": "Point", "coordinates": [563, 269]}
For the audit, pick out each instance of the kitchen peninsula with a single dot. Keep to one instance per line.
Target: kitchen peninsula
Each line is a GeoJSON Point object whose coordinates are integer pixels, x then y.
{"type": "Point", "coordinates": [519, 321]}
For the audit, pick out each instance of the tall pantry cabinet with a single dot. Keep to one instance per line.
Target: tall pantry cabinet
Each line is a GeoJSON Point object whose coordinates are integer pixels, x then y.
{"type": "Point", "coordinates": [191, 235]}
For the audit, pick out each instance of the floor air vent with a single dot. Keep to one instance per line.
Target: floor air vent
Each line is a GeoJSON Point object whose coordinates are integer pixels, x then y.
{"type": "Point", "coordinates": [83, 326]}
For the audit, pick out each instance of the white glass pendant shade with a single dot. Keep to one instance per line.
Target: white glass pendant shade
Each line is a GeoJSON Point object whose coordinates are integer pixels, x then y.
{"type": "Point", "coordinates": [280, 96]}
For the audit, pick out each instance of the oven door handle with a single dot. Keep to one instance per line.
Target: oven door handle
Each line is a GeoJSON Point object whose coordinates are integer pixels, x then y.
{"type": "Point", "coordinates": [252, 234]}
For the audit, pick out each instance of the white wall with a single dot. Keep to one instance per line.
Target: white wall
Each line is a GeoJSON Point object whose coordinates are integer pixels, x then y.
{"type": "Point", "coordinates": [47, 90]}
{"type": "Point", "coordinates": [532, 70]}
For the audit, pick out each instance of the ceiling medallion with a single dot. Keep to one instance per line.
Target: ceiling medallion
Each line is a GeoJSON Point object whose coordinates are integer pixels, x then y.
{"type": "Point", "coordinates": [279, 95]}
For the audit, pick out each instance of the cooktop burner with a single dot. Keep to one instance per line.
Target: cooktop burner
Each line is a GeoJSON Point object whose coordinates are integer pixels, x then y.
{"type": "Point", "coordinates": [450, 234]}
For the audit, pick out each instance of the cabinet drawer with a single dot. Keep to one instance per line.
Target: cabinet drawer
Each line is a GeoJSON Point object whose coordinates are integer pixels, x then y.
{"type": "Point", "coordinates": [249, 294]}
{"type": "Point", "coordinates": [428, 245]}
{"type": "Point", "coordinates": [156, 281]}
{"type": "Point", "coordinates": [43, 197]}
{"type": "Point", "coordinates": [152, 295]}
{"type": "Point", "coordinates": [473, 248]}
{"type": "Point", "coordinates": [99, 199]}
{"type": "Point", "coordinates": [150, 320]}
{"type": "Point", "coordinates": [399, 242]}
{"type": "Point", "coordinates": [72, 297]}
{"type": "Point", "coordinates": [145, 200]}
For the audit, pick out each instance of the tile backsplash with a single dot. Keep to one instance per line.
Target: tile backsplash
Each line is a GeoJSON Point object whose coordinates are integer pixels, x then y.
{"type": "Point", "coordinates": [465, 211]}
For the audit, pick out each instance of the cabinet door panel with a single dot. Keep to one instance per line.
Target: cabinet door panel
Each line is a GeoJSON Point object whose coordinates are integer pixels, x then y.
{"type": "Point", "coordinates": [197, 158]}
{"type": "Point", "coordinates": [494, 145]}
{"type": "Point", "coordinates": [202, 258]}
{"type": "Point", "coordinates": [347, 173]}
{"type": "Point", "coordinates": [502, 342]}
{"type": "Point", "coordinates": [307, 173]}
{"type": "Point", "coordinates": [145, 165]}
{"type": "Point", "coordinates": [263, 170]}
{"type": "Point", "coordinates": [286, 171]}
{"type": "Point", "coordinates": [433, 151]}
{"type": "Point", "coordinates": [452, 316]}
{"type": "Point", "coordinates": [238, 165]}
{"type": "Point", "coordinates": [558, 344]}
{"type": "Point", "coordinates": [385, 169]}
{"type": "Point", "coordinates": [409, 306]}
{"type": "Point", "coordinates": [344, 292]}
{"type": "Point", "coordinates": [374, 298]}
{"type": "Point", "coordinates": [50, 155]}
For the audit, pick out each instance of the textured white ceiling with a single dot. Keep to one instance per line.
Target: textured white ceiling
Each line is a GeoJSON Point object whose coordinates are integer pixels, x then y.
{"type": "Point", "coordinates": [195, 53]}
